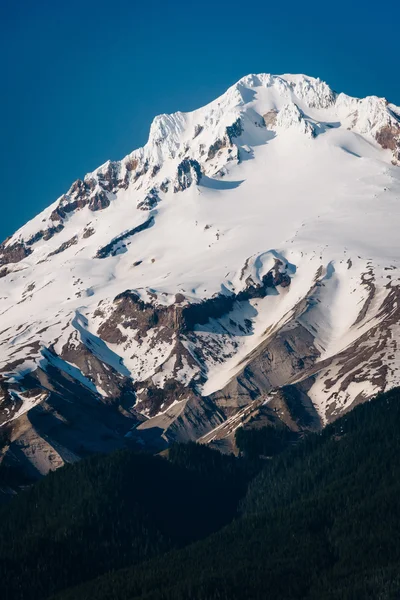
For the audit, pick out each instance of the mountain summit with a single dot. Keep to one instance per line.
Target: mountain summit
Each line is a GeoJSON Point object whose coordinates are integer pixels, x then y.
{"type": "Point", "coordinates": [243, 264]}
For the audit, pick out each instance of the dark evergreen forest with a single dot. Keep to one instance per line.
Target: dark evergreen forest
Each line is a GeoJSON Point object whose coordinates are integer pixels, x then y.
{"type": "Point", "coordinates": [316, 518]}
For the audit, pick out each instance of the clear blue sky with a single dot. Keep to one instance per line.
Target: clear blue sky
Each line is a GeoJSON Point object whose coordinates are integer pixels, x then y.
{"type": "Point", "coordinates": [82, 80]}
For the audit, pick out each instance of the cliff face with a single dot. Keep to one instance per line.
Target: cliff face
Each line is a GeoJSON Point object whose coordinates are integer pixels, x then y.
{"type": "Point", "coordinates": [250, 248]}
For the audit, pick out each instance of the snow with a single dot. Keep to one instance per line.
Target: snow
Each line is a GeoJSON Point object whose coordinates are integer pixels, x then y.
{"type": "Point", "coordinates": [313, 188]}
{"type": "Point", "coordinates": [27, 403]}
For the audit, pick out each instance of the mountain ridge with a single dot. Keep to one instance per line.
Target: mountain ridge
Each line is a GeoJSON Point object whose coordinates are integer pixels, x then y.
{"type": "Point", "coordinates": [245, 248]}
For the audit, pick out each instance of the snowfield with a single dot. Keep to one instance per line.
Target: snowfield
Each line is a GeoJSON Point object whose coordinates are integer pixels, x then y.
{"type": "Point", "coordinates": [280, 174]}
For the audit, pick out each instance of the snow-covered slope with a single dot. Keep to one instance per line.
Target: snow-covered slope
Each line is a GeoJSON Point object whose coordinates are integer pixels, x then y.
{"type": "Point", "coordinates": [249, 245]}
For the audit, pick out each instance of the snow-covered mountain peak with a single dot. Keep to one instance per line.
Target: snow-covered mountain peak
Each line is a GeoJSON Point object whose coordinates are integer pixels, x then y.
{"type": "Point", "coordinates": [312, 91]}
{"type": "Point", "coordinates": [250, 244]}
{"type": "Point", "coordinates": [185, 135]}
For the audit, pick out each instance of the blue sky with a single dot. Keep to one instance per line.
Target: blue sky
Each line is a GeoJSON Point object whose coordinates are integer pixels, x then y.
{"type": "Point", "coordinates": [82, 80]}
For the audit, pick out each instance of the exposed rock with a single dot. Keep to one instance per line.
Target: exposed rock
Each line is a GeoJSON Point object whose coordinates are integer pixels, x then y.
{"type": "Point", "coordinates": [81, 194]}
{"type": "Point", "coordinates": [151, 200]}
{"type": "Point", "coordinates": [61, 211]}
{"type": "Point", "coordinates": [235, 130]}
{"type": "Point", "coordinates": [155, 170]}
{"type": "Point", "coordinates": [57, 214]}
{"type": "Point", "coordinates": [10, 402]}
{"type": "Point", "coordinates": [51, 231]}
{"type": "Point", "coordinates": [216, 147]}
{"type": "Point", "coordinates": [116, 245]}
{"type": "Point", "coordinates": [232, 131]}
{"type": "Point", "coordinates": [99, 201]}
{"type": "Point", "coordinates": [164, 186]}
{"type": "Point", "coordinates": [177, 322]}
{"type": "Point", "coordinates": [131, 164]}
{"type": "Point", "coordinates": [30, 288]}
{"type": "Point", "coordinates": [13, 253]}
{"type": "Point", "coordinates": [80, 187]}
{"type": "Point", "coordinates": [273, 364]}
{"type": "Point", "coordinates": [108, 179]}
{"type": "Point", "coordinates": [133, 313]}
{"type": "Point", "coordinates": [36, 237]}
{"type": "Point", "coordinates": [270, 118]}
{"type": "Point", "coordinates": [142, 171]}
{"type": "Point", "coordinates": [68, 423]}
{"type": "Point", "coordinates": [389, 138]}
{"type": "Point", "coordinates": [45, 234]}
{"type": "Point", "coordinates": [155, 398]}
{"type": "Point", "coordinates": [197, 130]}
{"type": "Point", "coordinates": [64, 246]}
{"type": "Point", "coordinates": [115, 388]}
{"type": "Point", "coordinates": [288, 407]}
{"type": "Point", "coordinates": [189, 171]}
{"type": "Point", "coordinates": [88, 231]}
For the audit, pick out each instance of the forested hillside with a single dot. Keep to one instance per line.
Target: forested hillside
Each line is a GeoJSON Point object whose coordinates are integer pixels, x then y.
{"type": "Point", "coordinates": [319, 521]}
{"type": "Point", "coordinates": [106, 512]}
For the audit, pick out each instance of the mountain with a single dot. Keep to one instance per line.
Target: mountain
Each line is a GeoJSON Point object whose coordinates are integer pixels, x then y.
{"type": "Point", "coordinates": [242, 266]}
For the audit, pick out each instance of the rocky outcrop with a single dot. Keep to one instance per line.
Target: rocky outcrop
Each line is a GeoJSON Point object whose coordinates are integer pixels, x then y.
{"type": "Point", "coordinates": [164, 186]}
{"type": "Point", "coordinates": [154, 399]}
{"type": "Point", "coordinates": [197, 130]}
{"type": "Point", "coordinates": [81, 194]}
{"type": "Point", "coordinates": [231, 132]}
{"type": "Point", "coordinates": [94, 192]}
{"type": "Point", "coordinates": [216, 147]}
{"type": "Point", "coordinates": [117, 245]}
{"type": "Point", "coordinates": [151, 200]}
{"type": "Point", "coordinates": [45, 234]}
{"type": "Point", "coordinates": [235, 130]}
{"type": "Point", "coordinates": [133, 313]}
{"type": "Point", "coordinates": [88, 232]}
{"type": "Point", "coordinates": [66, 422]}
{"type": "Point", "coordinates": [286, 408]}
{"type": "Point", "coordinates": [114, 387]}
{"type": "Point", "coordinates": [188, 172]}
{"type": "Point", "coordinates": [155, 170]}
{"type": "Point", "coordinates": [277, 361]}
{"type": "Point", "coordinates": [108, 177]}
{"type": "Point", "coordinates": [389, 138]}
{"type": "Point", "coordinates": [99, 201]}
{"type": "Point", "coordinates": [131, 322]}
{"type": "Point", "coordinates": [71, 242]}
{"type": "Point", "coordinates": [10, 402]}
{"type": "Point", "coordinates": [270, 118]}
{"type": "Point", "coordinates": [13, 253]}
